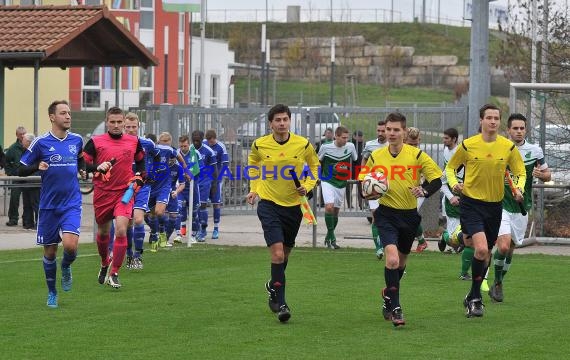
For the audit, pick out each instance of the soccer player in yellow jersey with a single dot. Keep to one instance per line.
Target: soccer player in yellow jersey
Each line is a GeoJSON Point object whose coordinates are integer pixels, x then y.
{"type": "Point", "coordinates": [397, 217]}
{"type": "Point", "coordinates": [485, 157]}
{"type": "Point", "coordinates": [269, 164]}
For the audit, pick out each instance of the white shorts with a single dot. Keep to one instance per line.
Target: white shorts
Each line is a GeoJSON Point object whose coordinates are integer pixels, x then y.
{"type": "Point", "coordinates": [332, 195]}
{"type": "Point", "coordinates": [515, 225]}
{"type": "Point", "coordinates": [452, 224]}
{"type": "Point", "coordinates": [373, 204]}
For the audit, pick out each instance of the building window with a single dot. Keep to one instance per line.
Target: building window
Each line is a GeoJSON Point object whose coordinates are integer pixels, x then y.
{"type": "Point", "coordinates": [30, 2]}
{"type": "Point", "coordinates": [91, 2]}
{"type": "Point", "coordinates": [196, 97]}
{"type": "Point", "coordinates": [91, 76]}
{"type": "Point", "coordinates": [145, 77]}
{"type": "Point", "coordinates": [215, 90]}
{"type": "Point", "coordinates": [147, 20]}
{"type": "Point", "coordinates": [120, 4]}
{"type": "Point", "coordinates": [145, 98]}
{"type": "Point", "coordinates": [149, 4]}
{"type": "Point", "coordinates": [5, 2]}
{"type": "Point", "coordinates": [91, 99]}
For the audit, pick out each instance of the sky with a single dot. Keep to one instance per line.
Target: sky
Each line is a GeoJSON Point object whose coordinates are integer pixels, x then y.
{"type": "Point", "coordinates": [452, 9]}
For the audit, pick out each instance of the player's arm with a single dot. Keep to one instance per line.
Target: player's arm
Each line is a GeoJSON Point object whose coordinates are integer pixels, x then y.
{"type": "Point", "coordinates": [432, 174]}
{"type": "Point", "coordinates": [516, 165]}
{"type": "Point", "coordinates": [253, 168]}
{"type": "Point", "coordinates": [89, 156]}
{"type": "Point", "coordinates": [456, 160]}
{"type": "Point", "coordinates": [445, 189]}
{"type": "Point", "coordinates": [541, 171]}
{"type": "Point", "coordinates": [313, 164]}
{"type": "Point", "coordinates": [140, 166]}
{"type": "Point", "coordinates": [370, 162]}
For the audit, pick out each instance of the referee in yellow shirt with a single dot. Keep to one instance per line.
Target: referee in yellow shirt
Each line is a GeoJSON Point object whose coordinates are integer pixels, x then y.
{"type": "Point", "coordinates": [271, 158]}
{"type": "Point", "coordinates": [397, 217]}
{"type": "Point", "coordinates": [485, 157]}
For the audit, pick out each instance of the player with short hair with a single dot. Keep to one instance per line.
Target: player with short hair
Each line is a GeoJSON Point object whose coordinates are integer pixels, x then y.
{"type": "Point", "coordinates": [222, 159]}
{"type": "Point", "coordinates": [186, 152]}
{"type": "Point", "coordinates": [513, 223]}
{"type": "Point", "coordinates": [369, 147]}
{"type": "Point", "coordinates": [485, 157]}
{"type": "Point", "coordinates": [58, 155]}
{"type": "Point", "coordinates": [208, 172]}
{"type": "Point", "coordinates": [112, 155]}
{"type": "Point", "coordinates": [397, 217]}
{"type": "Point", "coordinates": [279, 211]}
{"type": "Point", "coordinates": [336, 158]}
{"type": "Point", "coordinates": [136, 232]}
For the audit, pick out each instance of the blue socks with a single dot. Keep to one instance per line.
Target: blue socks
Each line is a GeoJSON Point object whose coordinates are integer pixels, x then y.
{"type": "Point", "coordinates": [68, 259]}
{"type": "Point", "coordinates": [50, 270]}
{"type": "Point", "coordinates": [138, 239]}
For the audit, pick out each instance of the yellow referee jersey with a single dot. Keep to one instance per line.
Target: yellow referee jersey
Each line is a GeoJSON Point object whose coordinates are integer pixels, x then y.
{"type": "Point", "coordinates": [485, 164]}
{"type": "Point", "coordinates": [403, 171]}
{"type": "Point", "coordinates": [269, 163]}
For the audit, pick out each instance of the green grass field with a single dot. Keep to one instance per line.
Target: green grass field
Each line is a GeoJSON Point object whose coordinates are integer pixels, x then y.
{"type": "Point", "coordinates": [208, 302]}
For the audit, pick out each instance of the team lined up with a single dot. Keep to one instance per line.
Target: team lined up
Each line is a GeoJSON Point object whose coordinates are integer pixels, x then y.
{"type": "Point", "coordinates": [157, 174]}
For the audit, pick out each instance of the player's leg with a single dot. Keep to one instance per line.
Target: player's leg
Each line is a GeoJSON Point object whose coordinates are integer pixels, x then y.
{"type": "Point", "coordinates": [138, 238]}
{"type": "Point", "coordinates": [216, 200]}
{"type": "Point", "coordinates": [422, 243]}
{"type": "Point", "coordinates": [119, 250]}
{"type": "Point", "coordinates": [70, 225]}
{"type": "Point", "coordinates": [373, 204]}
{"type": "Point", "coordinates": [50, 271]}
{"type": "Point", "coordinates": [338, 200]}
{"type": "Point", "coordinates": [203, 211]}
{"type": "Point", "coordinates": [328, 198]}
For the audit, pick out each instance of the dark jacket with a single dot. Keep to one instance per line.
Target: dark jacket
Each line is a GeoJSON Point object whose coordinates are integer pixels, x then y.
{"type": "Point", "coordinates": [13, 156]}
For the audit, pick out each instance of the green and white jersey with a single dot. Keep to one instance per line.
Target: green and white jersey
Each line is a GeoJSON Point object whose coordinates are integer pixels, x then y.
{"type": "Point", "coordinates": [532, 156]}
{"type": "Point", "coordinates": [336, 163]}
{"type": "Point", "coordinates": [450, 210]}
{"type": "Point", "coordinates": [370, 146]}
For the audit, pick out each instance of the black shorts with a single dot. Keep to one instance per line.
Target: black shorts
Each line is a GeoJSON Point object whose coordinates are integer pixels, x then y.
{"type": "Point", "coordinates": [279, 223]}
{"type": "Point", "coordinates": [480, 216]}
{"type": "Point", "coordinates": [397, 227]}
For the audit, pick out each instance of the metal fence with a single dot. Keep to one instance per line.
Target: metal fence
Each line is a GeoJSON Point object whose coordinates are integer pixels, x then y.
{"type": "Point", "coordinates": [237, 128]}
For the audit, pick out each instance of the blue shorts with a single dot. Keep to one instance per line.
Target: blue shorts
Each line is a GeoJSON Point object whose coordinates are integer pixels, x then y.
{"type": "Point", "coordinates": [173, 204]}
{"type": "Point", "coordinates": [480, 216]}
{"type": "Point", "coordinates": [397, 227]}
{"type": "Point", "coordinates": [53, 221]}
{"type": "Point", "coordinates": [204, 191]}
{"type": "Point", "coordinates": [216, 192]}
{"type": "Point", "coordinates": [279, 223]}
{"type": "Point", "coordinates": [141, 198]}
{"type": "Point", "coordinates": [160, 195]}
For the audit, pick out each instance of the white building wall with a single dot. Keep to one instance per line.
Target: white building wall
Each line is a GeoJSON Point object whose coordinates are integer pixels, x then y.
{"type": "Point", "coordinates": [216, 72]}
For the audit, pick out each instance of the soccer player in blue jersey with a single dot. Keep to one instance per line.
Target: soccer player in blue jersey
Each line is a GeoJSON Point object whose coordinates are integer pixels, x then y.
{"type": "Point", "coordinates": [184, 151]}
{"type": "Point", "coordinates": [135, 232]}
{"type": "Point", "coordinates": [160, 189]}
{"type": "Point", "coordinates": [222, 159]}
{"type": "Point", "coordinates": [177, 184]}
{"type": "Point", "coordinates": [208, 172]}
{"type": "Point", "coordinates": [58, 155]}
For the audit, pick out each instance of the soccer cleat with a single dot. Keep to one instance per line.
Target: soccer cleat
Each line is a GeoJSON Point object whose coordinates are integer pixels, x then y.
{"type": "Point", "coordinates": [386, 306]}
{"type": "Point", "coordinates": [442, 243]}
{"type": "Point", "coordinates": [137, 263]}
{"type": "Point", "coordinates": [496, 292]}
{"type": "Point", "coordinates": [52, 300]}
{"type": "Point", "coordinates": [484, 286]}
{"type": "Point", "coordinates": [201, 236]}
{"type": "Point", "coordinates": [66, 278]}
{"type": "Point", "coordinates": [129, 265]}
{"type": "Point", "coordinates": [154, 246]}
{"type": "Point", "coordinates": [398, 317]}
{"type": "Point", "coordinates": [334, 245]}
{"type": "Point", "coordinates": [102, 277]}
{"type": "Point", "coordinates": [215, 234]}
{"type": "Point", "coordinates": [162, 240]}
{"type": "Point", "coordinates": [169, 244]}
{"type": "Point", "coordinates": [272, 301]}
{"type": "Point", "coordinates": [284, 313]}
{"type": "Point", "coordinates": [473, 307]}
{"type": "Point", "coordinates": [113, 281]}
{"type": "Point", "coordinates": [177, 239]}
{"type": "Point", "coordinates": [465, 277]}
{"type": "Point", "coordinates": [380, 253]}
{"type": "Point", "coordinates": [421, 247]}
{"type": "Point", "coordinates": [192, 239]}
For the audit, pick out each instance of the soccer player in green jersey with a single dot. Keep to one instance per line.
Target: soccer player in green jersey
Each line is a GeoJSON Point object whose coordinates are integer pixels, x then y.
{"type": "Point", "coordinates": [485, 157]}
{"type": "Point", "coordinates": [336, 158]}
{"type": "Point", "coordinates": [397, 217]}
{"type": "Point", "coordinates": [513, 223]}
{"type": "Point", "coordinates": [272, 157]}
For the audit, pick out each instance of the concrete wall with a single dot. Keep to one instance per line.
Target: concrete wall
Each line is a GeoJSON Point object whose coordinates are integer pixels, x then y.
{"type": "Point", "coordinates": [309, 59]}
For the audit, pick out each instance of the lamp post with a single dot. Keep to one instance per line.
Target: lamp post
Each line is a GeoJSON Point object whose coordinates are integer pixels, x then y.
{"type": "Point", "coordinates": [165, 97]}
{"type": "Point", "coordinates": [267, 61]}
{"type": "Point", "coordinates": [332, 70]}
{"type": "Point", "coordinates": [262, 77]}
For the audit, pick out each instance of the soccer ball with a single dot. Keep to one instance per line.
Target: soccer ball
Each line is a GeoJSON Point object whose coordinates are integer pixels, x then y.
{"type": "Point", "coordinates": [374, 185]}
